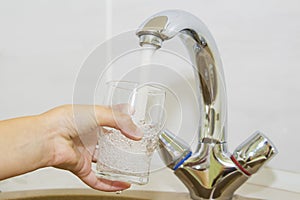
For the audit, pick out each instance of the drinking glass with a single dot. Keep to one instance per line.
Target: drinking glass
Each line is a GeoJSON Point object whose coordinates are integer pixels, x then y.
{"type": "Point", "coordinates": [121, 158]}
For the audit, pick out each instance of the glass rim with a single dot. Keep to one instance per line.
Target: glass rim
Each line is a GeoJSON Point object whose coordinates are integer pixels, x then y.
{"type": "Point", "coordinates": [155, 89]}
{"type": "Point", "coordinates": [115, 83]}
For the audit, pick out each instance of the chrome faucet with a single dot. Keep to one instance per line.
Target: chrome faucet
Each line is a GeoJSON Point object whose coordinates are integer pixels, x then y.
{"type": "Point", "coordinates": [211, 172]}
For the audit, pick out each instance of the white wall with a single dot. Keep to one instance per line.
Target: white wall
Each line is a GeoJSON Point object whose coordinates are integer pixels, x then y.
{"type": "Point", "coordinates": [43, 44]}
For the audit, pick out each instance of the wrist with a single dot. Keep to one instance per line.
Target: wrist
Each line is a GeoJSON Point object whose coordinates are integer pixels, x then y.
{"type": "Point", "coordinates": [46, 135]}
{"type": "Point", "coordinates": [57, 125]}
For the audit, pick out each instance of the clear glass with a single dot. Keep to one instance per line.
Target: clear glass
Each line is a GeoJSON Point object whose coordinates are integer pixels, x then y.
{"type": "Point", "coordinates": [121, 158]}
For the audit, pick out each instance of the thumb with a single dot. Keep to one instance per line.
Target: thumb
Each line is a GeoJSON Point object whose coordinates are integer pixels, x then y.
{"type": "Point", "coordinates": [114, 118]}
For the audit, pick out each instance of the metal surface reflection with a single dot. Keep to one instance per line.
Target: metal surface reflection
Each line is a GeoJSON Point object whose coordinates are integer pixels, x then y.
{"type": "Point", "coordinates": [211, 172]}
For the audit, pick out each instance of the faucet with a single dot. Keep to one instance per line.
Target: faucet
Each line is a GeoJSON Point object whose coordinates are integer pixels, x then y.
{"type": "Point", "coordinates": [211, 172]}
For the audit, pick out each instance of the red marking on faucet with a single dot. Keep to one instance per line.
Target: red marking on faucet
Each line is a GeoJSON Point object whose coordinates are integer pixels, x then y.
{"type": "Point", "coordinates": [240, 166]}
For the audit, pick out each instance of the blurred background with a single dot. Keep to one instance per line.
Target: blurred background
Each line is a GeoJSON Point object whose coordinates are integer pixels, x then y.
{"type": "Point", "coordinates": [43, 44]}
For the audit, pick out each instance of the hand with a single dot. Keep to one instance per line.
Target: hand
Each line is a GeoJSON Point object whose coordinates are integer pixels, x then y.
{"type": "Point", "coordinates": [73, 132]}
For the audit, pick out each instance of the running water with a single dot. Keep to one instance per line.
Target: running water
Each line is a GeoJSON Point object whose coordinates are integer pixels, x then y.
{"type": "Point", "coordinates": [147, 53]}
{"type": "Point", "coordinates": [146, 58]}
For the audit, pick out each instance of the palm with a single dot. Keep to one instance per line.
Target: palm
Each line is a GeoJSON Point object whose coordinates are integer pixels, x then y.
{"type": "Point", "coordinates": [76, 147]}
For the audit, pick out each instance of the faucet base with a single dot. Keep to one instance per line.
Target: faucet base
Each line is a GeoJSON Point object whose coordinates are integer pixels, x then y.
{"type": "Point", "coordinates": [224, 189]}
{"type": "Point", "coordinates": [211, 173]}
{"type": "Point", "coordinates": [235, 197]}
{"type": "Point", "coordinates": [221, 198]}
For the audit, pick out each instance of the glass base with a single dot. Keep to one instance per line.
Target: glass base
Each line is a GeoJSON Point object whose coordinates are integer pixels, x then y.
{"type": "Point", "coordinates": [140, 180]}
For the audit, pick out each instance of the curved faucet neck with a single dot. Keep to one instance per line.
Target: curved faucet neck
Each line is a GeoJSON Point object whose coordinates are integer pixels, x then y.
{"type": "Point", "coordinates": [204, 55]}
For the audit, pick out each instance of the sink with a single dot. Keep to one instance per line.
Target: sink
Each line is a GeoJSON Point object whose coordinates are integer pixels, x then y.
{"type": "Point", "coordinates": [89, 194]}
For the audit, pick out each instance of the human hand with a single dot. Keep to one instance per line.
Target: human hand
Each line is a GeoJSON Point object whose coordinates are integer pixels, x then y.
{"type": "Point", "coordinates": [74, 130]}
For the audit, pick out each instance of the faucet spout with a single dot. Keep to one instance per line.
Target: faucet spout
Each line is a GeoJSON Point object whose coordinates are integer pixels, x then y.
{"type": "Point", "coordinates": [207, 64]}
{"type": "Point", "coordinates": [210, 172]}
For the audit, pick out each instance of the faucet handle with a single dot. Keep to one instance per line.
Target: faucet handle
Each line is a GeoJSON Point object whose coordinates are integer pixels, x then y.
{"type": "Point", "coordinates": [172, 149]}
{"type": "Point", "coordinates": [253, 153]}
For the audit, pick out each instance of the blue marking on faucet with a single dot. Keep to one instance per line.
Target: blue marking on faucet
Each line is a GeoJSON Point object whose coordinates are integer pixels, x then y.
{"type": "Point", "coordinates": [182, 160]}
